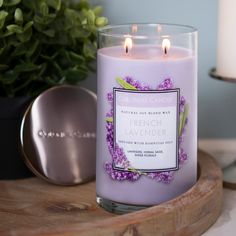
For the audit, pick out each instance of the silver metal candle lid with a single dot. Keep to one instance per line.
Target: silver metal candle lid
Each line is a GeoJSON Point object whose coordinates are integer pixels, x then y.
{"type": "Point", "coordinates": [58, 135]}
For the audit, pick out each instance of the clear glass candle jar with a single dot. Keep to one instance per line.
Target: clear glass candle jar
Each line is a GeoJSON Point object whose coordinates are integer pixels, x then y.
{"type": "Point", "coordinates": [147, 114]}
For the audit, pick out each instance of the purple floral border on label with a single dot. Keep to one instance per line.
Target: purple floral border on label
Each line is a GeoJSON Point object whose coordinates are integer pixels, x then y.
{"type": "Point", "coordinates": [117, 154]}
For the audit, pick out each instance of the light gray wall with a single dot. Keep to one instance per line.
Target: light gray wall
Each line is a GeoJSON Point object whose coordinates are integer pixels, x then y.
{"type": "Point", "coordinates": [217, 99]}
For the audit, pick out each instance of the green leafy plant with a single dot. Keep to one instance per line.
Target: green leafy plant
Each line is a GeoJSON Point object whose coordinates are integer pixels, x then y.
{"type": "Point", "coordinates": [44, 43]}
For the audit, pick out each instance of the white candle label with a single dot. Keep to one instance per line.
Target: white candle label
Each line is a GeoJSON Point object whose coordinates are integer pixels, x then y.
{"type": "Point", "coordinates": [146, 127]}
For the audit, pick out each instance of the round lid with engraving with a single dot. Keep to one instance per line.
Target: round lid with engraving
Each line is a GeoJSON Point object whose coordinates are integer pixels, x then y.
{"type": "Point", "coordinates": [58, 135]}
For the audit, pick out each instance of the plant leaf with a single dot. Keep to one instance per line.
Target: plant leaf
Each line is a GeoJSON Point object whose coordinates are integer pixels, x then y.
{"type": "Point", "coordinates": [28, 25]}
{"type": "Point", "coordinates": [50, 81]}
{"type": "Point", "coordinates": [44, 21]}
{"type": "Point", "coordinates": [180, 122]}
{"type": "Point", "coordinates": [2, 50]}
{"type": "Point", "coordinates": [109, 119]}
{"type": "Point", "coordinates": [9, 77]}
{"type": "Point", "coordinates": [14, 29]}
{"type": "Point", "coordinates": [50, 33]}
{"type": "Point", "coordinates": [32, 48]}
{"type": "Point", "coordinates": [97, 10]}
{"type": "Point", "coordinates": [9, 3]}
{"type": "Point", "coordinates": [18, 15]}
{"type": "Point", "coordinates": [42, 70]}
{"type": "Point", "coordinates": [20, 50]}
{"type": "Point", "coordinates": [83, 4]}
{"type": "Point", "coordinates": [80, 33]}
{"type": "Point", "coordinates": [72, 19]}
{"type": "Point", "coordinates": [12, 41]}
{"type": "Point", "coordinates": [25, 83]}
{"type": "Point", "coordinates": [3, 15]}
{"type": "Point", "coordinates": [89, 50]}
{"type": "Point", "coordinates": [30, 4]}
{"type": "Point", "coordinates": [75, 75]}
{"type": "Point", "coordinates": [124, 84]}
{"type": "Point", "coordinates": [101, 21]}
{"type": "Point", "coordinates": [25, 36]}
{"type": "Point", "coordinates": [58, 71]}
{"type": "Point", "coordinates": [56, 4]}
{"type": "Point", "coordinates": [1, 3]}
{"type": "Point", "coordinates": [186, 110]}
{"type": "Point", "coordinates": [76, 58]}
{"type": "Point", "coordinates": [3, 67]}
{"type": "Point", "coordinates": [44, 9]}
{"type": "Point", "coordinates": [26, 67]}
{"type": "Point", "coordinates": [26, 33]}
{"type": "Point", "coordinates": [183, 118]}
{"type": "Point", "coordinates": [90, 17]}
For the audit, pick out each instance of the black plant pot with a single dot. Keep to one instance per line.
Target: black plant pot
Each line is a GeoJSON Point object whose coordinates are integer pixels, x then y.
{"type": "Point", "coordinates": [11, 163]}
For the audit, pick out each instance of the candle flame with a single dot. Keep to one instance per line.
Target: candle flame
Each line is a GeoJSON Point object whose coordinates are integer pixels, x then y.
{"type": "Point", "coordinates": [166, 45]}
{"type": "Point", "coordinates": [128, 45]}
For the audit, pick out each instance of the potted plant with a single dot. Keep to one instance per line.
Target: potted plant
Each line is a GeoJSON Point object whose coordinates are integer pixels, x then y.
{"type": "Point", "coordinates": [43, 43]}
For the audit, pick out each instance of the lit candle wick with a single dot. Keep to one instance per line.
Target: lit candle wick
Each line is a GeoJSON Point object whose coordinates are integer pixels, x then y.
{"type": "Point", "coordinates": [165, 50]}
{"type": "Point", "coordinates": [128, 45]}
{"type": "Point", "coordinates": [166, 46]}
{"type": "Point", "coordinates": [126, 49]}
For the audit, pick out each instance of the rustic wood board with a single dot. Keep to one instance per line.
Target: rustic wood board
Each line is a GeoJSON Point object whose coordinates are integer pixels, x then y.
{"type": "Point", "coordinates": [33, 207]}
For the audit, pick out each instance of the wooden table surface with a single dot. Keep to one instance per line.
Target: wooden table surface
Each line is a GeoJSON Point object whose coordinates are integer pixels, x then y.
{"type": "Point", "coordinates": [33, 207]}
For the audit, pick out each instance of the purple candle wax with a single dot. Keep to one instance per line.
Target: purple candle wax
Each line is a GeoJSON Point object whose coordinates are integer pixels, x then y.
{"type": "Point", "coordinates": [147, 124]}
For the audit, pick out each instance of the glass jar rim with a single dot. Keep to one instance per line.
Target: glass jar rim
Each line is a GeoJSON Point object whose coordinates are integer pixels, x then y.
{"type": "Point", "coordinates": [105, 30]}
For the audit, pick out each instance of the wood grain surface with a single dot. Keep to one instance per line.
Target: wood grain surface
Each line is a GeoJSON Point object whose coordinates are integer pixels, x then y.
{"type": "Point", "coordinates": [33, 207]}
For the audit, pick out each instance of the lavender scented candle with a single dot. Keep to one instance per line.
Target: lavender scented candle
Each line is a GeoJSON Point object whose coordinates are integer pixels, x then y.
{"type": "Point", "coordinates": [147, 115]}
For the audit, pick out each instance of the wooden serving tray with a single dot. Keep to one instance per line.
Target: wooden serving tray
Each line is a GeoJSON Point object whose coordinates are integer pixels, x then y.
{"type": "Point", "coordinates": [34, 207]}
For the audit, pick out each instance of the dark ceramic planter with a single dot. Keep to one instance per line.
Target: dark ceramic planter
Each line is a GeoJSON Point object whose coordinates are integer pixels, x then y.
{"type": "Point", "coordinates": [11, 162]}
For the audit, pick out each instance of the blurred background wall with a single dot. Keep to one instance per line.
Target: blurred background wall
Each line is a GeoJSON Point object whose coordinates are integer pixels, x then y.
{"type": "Point", "coordinates": [217, 100]}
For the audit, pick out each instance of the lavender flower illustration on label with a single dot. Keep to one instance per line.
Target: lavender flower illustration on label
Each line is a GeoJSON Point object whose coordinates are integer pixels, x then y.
{"type": "Point", "coordinates": [130, 164]}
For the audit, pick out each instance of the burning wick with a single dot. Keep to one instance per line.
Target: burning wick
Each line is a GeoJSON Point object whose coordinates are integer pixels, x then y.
{"type": "Point", "coordinates": [166, 46]}
{"type": "Point", "coordinates": [128, 45]}
{"type": "Point", "coordinates": [165, 51]}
